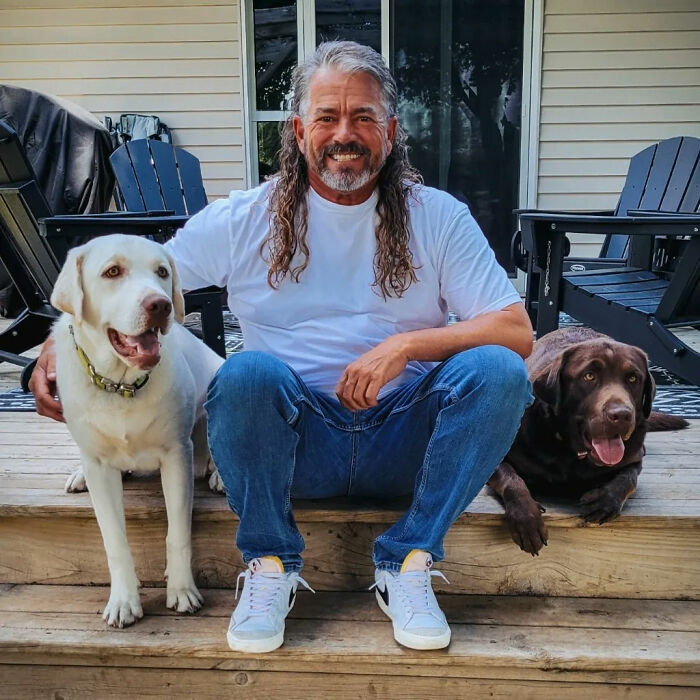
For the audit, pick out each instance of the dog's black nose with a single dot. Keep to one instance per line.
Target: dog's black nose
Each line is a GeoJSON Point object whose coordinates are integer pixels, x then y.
{"type": "Point", "coordinates": [618, 413]}
{"type": "Point", "coordinates": [157, 307]}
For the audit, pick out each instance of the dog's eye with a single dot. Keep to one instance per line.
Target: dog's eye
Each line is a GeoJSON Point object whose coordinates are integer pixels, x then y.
{"type": "Point", "coordinates": [112, 272]}
{"type": "Point", "coordinates": [162, 272]}
{"type": "Point", "coordinates": [589, 376]}
{"type": "Point", "coordinates": [632, 378]}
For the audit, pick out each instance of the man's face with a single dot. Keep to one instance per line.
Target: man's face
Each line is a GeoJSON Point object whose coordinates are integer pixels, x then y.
{"type": "Point", "coordinates": [345, 134]}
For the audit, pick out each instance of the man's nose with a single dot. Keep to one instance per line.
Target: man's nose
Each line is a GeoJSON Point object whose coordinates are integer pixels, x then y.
{"type": "Point", "coordinates": [345, 130]}
{"type": "Point", "coordinates": [157, 308]}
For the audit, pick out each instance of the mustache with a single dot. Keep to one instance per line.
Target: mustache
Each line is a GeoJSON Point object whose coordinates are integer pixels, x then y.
{"type": "Point", "coordinates": [351, 147]}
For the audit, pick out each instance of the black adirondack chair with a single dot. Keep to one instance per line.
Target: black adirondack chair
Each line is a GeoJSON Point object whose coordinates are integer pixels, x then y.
{"type": "Point", "coordinates": [657, 289]}
{"type": "Point", "coordinates": [615, 248]}
{"type": "Point", "coordinates": [153, 175]}
{"type": "Point", "coordinates": [33, 245]}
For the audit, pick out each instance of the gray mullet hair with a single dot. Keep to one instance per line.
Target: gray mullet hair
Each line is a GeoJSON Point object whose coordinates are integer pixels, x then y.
{"type": "Point", "coordinates": [393, 264]}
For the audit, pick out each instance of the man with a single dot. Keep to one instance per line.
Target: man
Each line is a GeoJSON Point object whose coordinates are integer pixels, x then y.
{"type": "Point", "coordinates": [341, 271]}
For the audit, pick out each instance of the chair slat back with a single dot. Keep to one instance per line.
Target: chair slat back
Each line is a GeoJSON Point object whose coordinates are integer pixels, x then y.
{"type": "Point", "coordinates": [680, 181]}
{"type": "Point", "coordinates": [663, 177]}
{"type": "Point", "coordinates": [126, 180]}
{"type": "Point", "coordinates": [660, 173]}
{"type": "Point", "coordinates": [145, 174]}
{"type": "Point", "coordinates": [152, 175]}
{"type": "Point", "coordinates": [163, 155]}
{"type": "Point", "coordinates": [690, 203]}
{"type": "Point", "coordinates": [636, 181]}
{"type": "Point", "coordinates": [191, 178]}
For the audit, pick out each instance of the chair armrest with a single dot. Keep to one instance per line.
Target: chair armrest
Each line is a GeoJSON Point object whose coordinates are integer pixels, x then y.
{"type": "Point", "coordinates": [92, 225]}
{"type": "Point", "coordinates": [679, 225]}
{"type": "Point", "coordinates": [653, 212]}
{"type": "Point", "coordinates": [604, 212]}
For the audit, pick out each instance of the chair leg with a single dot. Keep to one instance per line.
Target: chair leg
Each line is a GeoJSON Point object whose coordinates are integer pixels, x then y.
{"type": "Point", "coordinates": [27, 331]}
{"type": "Point", "coordinates": [213, 323]}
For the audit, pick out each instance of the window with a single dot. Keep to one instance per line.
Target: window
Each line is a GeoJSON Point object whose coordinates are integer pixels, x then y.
{"type": "Point", "coordinates": [458, 65]}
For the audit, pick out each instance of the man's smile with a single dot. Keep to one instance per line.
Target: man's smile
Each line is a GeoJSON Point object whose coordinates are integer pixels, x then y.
{"type": "Point", "coordinates": [343, 157]}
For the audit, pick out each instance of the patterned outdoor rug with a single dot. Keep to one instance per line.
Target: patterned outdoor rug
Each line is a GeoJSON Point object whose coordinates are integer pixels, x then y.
{"type": "Point", "coordinates": [672, 395]}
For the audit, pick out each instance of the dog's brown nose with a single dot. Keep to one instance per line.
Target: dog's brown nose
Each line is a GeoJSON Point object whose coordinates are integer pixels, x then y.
{"type": "Point", "coordinates": [157, 307]}
{"type": "Point", "coordinates": [618, 413]}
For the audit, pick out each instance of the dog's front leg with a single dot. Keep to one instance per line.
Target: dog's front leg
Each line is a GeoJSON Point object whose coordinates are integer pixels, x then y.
{"type": "Point", "coordinates": [523, 513]}
{"type": "Point", "coordinates": [105, 486]}
{"type": "Point", "coordinates": [605, 503]}
{"type": "Point", "coordinates": [177, 475]}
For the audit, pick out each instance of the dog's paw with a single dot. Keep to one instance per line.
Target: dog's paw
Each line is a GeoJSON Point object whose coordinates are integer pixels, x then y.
{"type": "Point", "coordinates": [599, 506]}
{"type": "Point", "coordinates": [184, 599]}
{"type": "Point", "coordinates": [122, 610]}
{"type": "Point", "coordinates": [216, 483]}
{"type": "Point", "coordinates": [527, 527]}
{"type": "Point", "coordinates": [76, 482]}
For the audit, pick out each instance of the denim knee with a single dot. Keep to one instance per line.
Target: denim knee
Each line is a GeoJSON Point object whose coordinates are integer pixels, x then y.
{"type": "Point", "coordinates": [497, 371]}
{"type": "Point", "coordinates": [252, 378]}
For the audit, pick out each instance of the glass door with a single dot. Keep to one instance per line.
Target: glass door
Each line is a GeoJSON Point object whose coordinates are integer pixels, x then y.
{"type": "Point", "coordinates": [459, 65]}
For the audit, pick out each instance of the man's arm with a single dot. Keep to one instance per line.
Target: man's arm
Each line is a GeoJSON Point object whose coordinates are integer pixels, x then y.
{"type": "Point", "coordinates": [363, 378]}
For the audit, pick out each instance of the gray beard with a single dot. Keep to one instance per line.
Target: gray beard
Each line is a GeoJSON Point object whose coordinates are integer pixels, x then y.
{"type": "Point", "coordinates": [345, 180]}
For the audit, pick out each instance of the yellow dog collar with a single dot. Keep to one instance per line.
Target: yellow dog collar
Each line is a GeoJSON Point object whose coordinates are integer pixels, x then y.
{"type": "Point", "coordinates": [104, 383]}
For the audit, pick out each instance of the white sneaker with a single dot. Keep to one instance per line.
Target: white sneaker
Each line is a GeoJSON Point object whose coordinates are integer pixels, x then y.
{"type": "Point", "coordinates": [257, 623]}
{"type": "Point", "coordinates": [407, 598]}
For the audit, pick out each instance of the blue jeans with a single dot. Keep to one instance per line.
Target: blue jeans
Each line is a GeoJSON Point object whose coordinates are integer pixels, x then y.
{"type": "Point", "coordinates": [438, 437]}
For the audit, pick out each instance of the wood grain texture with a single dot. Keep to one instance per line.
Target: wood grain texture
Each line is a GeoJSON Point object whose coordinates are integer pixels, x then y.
{"type": "Point", "coordinates": [71, 683]}
{"type": "Point", "coordinates": [328, 632]}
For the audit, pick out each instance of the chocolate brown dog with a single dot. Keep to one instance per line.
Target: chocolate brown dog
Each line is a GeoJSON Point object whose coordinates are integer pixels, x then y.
{"type": "Point", "coordinates": [583, 437]}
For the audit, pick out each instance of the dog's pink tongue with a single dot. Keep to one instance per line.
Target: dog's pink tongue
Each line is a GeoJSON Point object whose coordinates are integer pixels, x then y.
{"type": "Point", "coordinates": [145, 344]}
{"type": "Point", "coordinates": [609, 450]}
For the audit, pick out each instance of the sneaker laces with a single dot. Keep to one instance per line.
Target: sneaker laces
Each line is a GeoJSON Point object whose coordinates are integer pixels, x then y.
{"type": "Point", "coordinates": [264, 588]}
{"type": "Point", "coordinates": [414, 588]}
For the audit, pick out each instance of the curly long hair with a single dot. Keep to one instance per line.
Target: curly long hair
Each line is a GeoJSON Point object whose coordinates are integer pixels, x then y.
{"type": "Point", "coordinates": [286, 248]}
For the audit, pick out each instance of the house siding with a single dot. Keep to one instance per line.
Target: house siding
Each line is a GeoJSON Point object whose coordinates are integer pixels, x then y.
{"type": "Point", "coordinates": [174, 58]}
{"type": "Point", "coordinates": [616, 77]}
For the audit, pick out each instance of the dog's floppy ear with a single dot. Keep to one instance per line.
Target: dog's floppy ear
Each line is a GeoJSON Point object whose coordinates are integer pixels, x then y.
{"type": "Point", "coordinates": [176, 292]}
{"type": "Point", "coordinates": [546, 385]}
{"type": "Point", "coordinates": [68, 293]}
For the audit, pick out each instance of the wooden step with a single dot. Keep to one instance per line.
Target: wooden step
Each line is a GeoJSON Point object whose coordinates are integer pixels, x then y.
{"type": "Point", "coordinates": [651, 551]}
{"type": "Point", "coordinates": [341, 644]}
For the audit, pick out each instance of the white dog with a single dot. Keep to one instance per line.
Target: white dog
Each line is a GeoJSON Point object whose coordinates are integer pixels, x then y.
{"type": "Point", "coordinates": [132, 384]}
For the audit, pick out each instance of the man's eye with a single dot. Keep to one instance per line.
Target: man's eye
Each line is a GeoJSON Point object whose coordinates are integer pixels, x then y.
{"type": "Point", "coordinates": [112, 272]}
{"type": "Point", "coordinates": [162, 272]}
{"type": "Point", "coordinates": [589, 376]}
{"type": "Point", "coordinates": [326, 120]}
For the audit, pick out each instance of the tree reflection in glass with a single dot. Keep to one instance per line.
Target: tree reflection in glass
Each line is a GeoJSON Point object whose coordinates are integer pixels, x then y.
{"type": "Point", "coordinates": [458, 65]}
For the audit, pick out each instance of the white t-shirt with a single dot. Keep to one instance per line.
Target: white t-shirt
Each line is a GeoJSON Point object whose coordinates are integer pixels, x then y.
{"type": "Point", "coordinates": [333, 314]}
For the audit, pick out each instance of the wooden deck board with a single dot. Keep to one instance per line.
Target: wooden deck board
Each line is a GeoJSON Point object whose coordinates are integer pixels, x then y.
{"type": "Point", "coordinates": [37, 454]}
{"type": "Point", "coordinates": [328, 632]}
{"type": "Point", "coordinates": [650, 551]}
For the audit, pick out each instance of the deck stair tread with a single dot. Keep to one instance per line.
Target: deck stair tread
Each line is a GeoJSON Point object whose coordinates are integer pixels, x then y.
{"type": "Point", "coordinates": [341, 632]}
{"type": "Point", "coordinates": [38, 454]}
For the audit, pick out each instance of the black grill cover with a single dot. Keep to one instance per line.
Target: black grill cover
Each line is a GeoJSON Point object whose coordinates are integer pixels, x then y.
{"type": "Point", "coordinates": [67, 146]}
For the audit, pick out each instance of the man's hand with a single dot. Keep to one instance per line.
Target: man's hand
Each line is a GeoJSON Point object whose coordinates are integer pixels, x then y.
{"type": "Point", "coordinates": [43, 383]}
{"type": "Point", "coordinates": [363, 378]}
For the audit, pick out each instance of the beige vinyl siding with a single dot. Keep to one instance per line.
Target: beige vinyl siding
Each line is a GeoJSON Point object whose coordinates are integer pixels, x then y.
{"type": "Point", "coordinates": [616, 77]}
{"type": "Point", "coordinates": [178, 59]}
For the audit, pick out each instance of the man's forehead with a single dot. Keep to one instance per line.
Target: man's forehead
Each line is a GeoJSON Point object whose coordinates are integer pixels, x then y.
{"type": "Point", "coordinates": [327, 84]}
